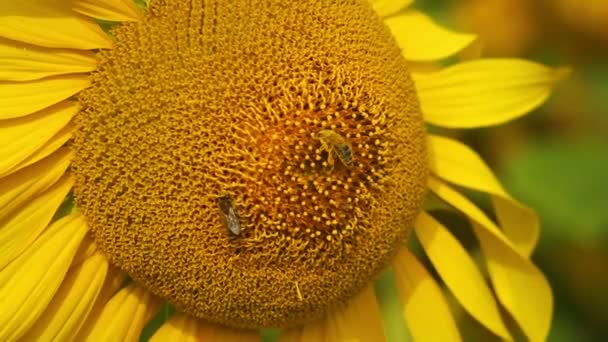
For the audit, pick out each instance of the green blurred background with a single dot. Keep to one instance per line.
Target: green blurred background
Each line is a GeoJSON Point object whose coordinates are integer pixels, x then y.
{"type": "Point", "coordinates": [555, 160]}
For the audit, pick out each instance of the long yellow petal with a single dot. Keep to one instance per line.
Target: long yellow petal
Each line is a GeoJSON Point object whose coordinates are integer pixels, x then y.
{"type": "Point", "coordinates": [20, 230]}
{"type": "Point", "coordinates": [519, 285]}
{"type": "Point", "coordinates": [350, 324]}
{"type": "Point", "coordinates": [114, 280]}
{"type": "Point", "coordinates": [425, 308]}
{"type": "Point", "coordinates": [179, 327]}
{"type": "Point", "coordinates": [125, 315]}
{"type": "Point", "coordinates": [24, 62]}
{"type": "Point", "coordinates": [72, 303]}
{"type": "Point", "coordinates": [386, 8]}
{"type": "Point", "coordinates": [23, 98]}
{"type": "Point", "coordinates": [28, 284]}
{"type": "Point", "coordinates": [460, 274]}
{"type": "Point", "coordinates": [21, 186]}
{"type": "Point", "coordinates": [218, 333]}
{"type": "Point", "coordinates": [311, 332]}
{"type": "Point", "coordinates": [111, 10]}
{"type": "Point", "coordinates": [56, 142]}
{"type": "Point", "coordinates": [420, 39]}
{"type": "Point", "coordinates": [458, 164]}
{"type": "Point", "coordinates": [21, 137]}
{"type": "Point", "coordinates": [87, 249]}
{"type": "Point", "coordinates": [484, 92]}
{"type": "Point", "coordinates": [360, 320]}
{"type": "Point", "coordinates": [50, 23]}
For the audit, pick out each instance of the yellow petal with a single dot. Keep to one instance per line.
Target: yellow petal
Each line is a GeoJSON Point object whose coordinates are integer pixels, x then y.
{"type": "Point", "coordinates": [349, 324]}
{"type": "Point", "coordinates": [179, 327]}
{"type": "Point", "coordinates": [386, 8]}
{"type": "Point", "coordinates": [424, 67]}
{"type": "Point", "coordinates": [49, 23]}
{"type": "Point", "coordinates": [21, 186]}
{"type": "Point", "coordinates": [460, 274]}
{"type": "Point", "coordinates": [520, 224]}
{"type": "Point", "coordinates": [24, 62]}
{"type": "Point", "coordinates": [21, 229]}
{"type": "Point", "coordinates": [111, 10]}
{"type": "Point", "coordinates": [458, 164]}
{"type": "Point", "coordinates": [310, 332]}
{"type": "Point", "coordinates": [114, 280]}
{"type": "Point", "coordinates": [420, 39]}
{"type": "Point", "coordinates": [519, 285]}
{"type": "Point", "coordinates": [21, 137]}
{"type": "Point", "coordinates": [72, 303]}
{"type": "Point", "coordinates": [22, 98]}
{"type": "Point", "coordinates": [344, 323]}
{"type": "Point", "coordinates": [87, 249]}
{"type": "Point", "coordinates": [218, 333]}
{"type": "Point", "coordinates": [125, 315]}
{"type": "Point", "coordinates": [56, 142]}
{"type": "Point", "coordinates": [484, 92]}
{"type": "Point", "coordinates": [425, 308]}
{"type": "Point", "coordinates": [28, 284]}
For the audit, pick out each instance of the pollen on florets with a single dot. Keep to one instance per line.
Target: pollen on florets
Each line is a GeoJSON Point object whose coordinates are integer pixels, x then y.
{"type": "Point", "coordinates": [231, 99]}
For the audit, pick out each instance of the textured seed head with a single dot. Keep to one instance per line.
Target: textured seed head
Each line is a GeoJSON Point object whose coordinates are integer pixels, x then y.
{"type": "Point", "coordinates": [206, 99]}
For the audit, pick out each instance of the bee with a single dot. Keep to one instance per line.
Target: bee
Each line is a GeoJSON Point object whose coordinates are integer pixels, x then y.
{"type": "Point", "coordinates": [334, 143]}
{"type": "Point", "coordinates": [230, 217]}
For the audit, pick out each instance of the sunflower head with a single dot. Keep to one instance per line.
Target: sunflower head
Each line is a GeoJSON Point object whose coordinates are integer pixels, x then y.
{"type": "Point", "coordinates": [301, 120]}
{"type": "Point", "coordinates": [253, 163]}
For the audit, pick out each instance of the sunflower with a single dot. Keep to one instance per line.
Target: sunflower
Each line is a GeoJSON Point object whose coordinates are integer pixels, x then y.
{"type": "Point", "coordinates": [254, 164]}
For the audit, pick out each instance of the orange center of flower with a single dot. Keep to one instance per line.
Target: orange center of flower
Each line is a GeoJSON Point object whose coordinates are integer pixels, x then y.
{"type": "Point", "coordinates": [255, 163]}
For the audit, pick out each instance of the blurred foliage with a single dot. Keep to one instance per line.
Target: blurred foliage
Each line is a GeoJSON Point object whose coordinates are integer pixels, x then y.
{"type": "Point", "coordinates": [567, 184]}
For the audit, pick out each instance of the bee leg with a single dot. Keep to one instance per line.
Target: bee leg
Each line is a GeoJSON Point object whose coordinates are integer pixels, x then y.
{"type": "Point", "coordinates": [330, 160]}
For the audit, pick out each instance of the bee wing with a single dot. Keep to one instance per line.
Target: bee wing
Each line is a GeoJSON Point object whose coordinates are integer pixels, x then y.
{"type": "Point", "coordinates": [345, 153]}
{"type": "Point", "coordinates": [233, 222]}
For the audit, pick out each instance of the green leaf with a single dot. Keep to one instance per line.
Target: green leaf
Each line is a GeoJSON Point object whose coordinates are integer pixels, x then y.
{"type": "Point", "coordinates": [596, 79]}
